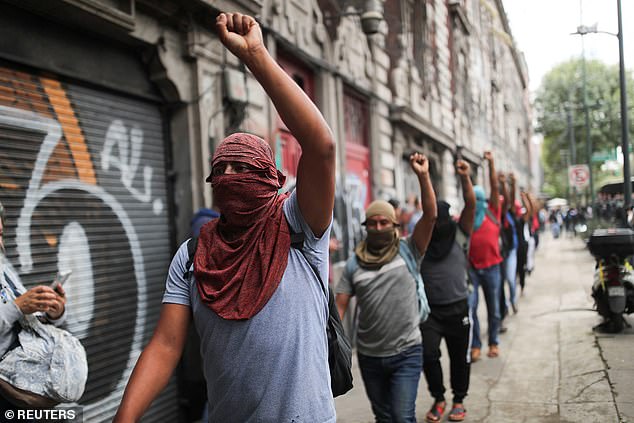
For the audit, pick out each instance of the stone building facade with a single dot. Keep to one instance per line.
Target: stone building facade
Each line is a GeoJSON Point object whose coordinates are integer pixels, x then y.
{"type": "Point", "coordinates": [110, 110]}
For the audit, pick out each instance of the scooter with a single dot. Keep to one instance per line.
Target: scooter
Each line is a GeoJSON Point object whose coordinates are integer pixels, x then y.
{"type": "Point", "coordinates": [613, 288]}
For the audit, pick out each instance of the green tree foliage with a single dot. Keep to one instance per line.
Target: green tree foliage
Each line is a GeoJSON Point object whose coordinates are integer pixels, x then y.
{"type": "Point", "coordinates": [561, 92]}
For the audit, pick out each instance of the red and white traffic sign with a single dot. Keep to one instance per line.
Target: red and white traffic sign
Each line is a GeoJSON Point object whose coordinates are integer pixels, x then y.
{"type": "Point", "coordinates": [579, 176]}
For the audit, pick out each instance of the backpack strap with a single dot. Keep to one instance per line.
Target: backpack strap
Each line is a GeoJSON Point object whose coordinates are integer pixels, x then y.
{"type": "Point", "coordinates": [492, 217]}
{"type": "Point", "coordinates": [408, 256]}
{"type": "Point", "coordinates": [463, 240]}
{"type": "Point", "coordinates": [192, 246]}
{"type": "Point", "coordinates": [351, 265]}
{"type": "Point", "coordinates": [297, 239]}
{"type": "Point", "coordinates": [297, 242]}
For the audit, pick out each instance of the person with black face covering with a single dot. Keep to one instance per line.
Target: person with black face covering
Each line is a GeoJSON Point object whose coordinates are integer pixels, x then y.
{"type": "Point", "coordinates": [444, 270]}
{"type": "Point", "coordinates": [378, 274]}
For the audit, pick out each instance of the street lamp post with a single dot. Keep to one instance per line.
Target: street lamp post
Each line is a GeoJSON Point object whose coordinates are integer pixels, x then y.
{"type": "Point", "coordinates": [625, 145]}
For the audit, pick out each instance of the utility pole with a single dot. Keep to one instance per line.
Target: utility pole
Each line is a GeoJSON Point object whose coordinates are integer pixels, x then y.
{"type": "Point", "coordinates": [573, 154]}
{"type": "Point", "coordinates": [586, 113]}
{"type": "Point", "coordinates": [625, 144]}
{"type": "Point", "coordinates": [571, 135]}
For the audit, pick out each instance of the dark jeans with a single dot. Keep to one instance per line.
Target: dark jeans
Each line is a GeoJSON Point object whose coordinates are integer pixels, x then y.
{"type": "Point", "coordinates": [392, 384]}
{"type": "Point", "coordinates": [522, 250]}
{"type": "Point", "coordinates": [490, 279]}
{"type": "Point", "coordinates": [452, 322]}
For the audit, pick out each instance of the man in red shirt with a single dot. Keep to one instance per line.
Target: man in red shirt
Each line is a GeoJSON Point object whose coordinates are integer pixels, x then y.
{"type": "Point", "coordinates": [485, 259]}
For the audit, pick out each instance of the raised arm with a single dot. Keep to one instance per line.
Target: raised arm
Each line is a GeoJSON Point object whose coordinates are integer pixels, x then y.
{"type": "Point", "coordinates": [241, 34]}
{"type": "Point", "coordinates": [156, 364]}
{"type": "Point", "coordinates": [527, 205]}
{"type": "Point", "coordinates": [534, 203]}
{"type": "Point", "coordinates": [512, 189]}
{"type": "Point", "coordinates": [494, 199]}
{"type": "Point", "coordinates": [425, 225]}
{"type": "Point", "coordinates": [505, 194]}
{"type": "Point", "coordinates": [468, 212]}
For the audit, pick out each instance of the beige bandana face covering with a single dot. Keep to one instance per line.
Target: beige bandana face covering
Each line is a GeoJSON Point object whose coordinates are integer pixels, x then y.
{"type": "Point", "coordinates": [379, 248]}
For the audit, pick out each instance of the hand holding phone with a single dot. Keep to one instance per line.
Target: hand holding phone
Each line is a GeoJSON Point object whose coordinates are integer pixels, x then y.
{"type": "Point", "coordinates": [61, 278]}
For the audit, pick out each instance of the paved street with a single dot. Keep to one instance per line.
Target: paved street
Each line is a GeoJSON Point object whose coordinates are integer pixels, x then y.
{"type": "Point", "coordinates": [552, 367]}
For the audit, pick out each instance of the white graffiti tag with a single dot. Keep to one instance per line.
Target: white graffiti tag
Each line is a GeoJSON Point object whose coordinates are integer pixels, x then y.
{"type": "Point", "coordinates": [129, 145]}
{"type": "Point", "coordinates": [73, 247]}
{"type": "Point", "coordinates": [355, 198]}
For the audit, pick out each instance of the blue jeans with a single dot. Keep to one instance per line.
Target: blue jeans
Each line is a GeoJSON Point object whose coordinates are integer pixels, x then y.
{"type": "Point", "coordinates": [510, 273]}
{"type": "Point", "coordinates": [491, 281]}
{"type": "Point", "coordinates": [392, 384]}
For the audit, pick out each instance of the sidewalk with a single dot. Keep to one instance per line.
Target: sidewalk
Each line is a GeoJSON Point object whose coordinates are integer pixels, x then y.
{"type": "Point", "coordinates": [552, 367]}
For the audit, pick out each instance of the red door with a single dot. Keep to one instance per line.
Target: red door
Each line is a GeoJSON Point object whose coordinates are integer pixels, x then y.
{"type": "Point", "coordinates": [288, 151]}
{"type": "Point", "coordinates": [358, 181]}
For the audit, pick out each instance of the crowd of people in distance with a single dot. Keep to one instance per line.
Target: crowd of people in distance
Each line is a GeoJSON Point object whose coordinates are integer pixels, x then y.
{"type": "Point", "coordinates": [254, 284]}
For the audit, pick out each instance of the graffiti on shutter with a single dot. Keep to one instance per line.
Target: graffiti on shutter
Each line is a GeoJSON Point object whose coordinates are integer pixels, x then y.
{"type": "Point", "coordinates": [82, 181]}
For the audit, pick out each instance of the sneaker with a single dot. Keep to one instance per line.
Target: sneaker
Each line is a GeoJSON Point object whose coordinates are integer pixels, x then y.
{"type": "Point", "coordinates": [494, 351]}
{"type": "Point", "coordinates": [475, 354]}
{"type": "Point", "coordinates": [503, 329]}
{"type": "Point", "coordinates": [515, 309]}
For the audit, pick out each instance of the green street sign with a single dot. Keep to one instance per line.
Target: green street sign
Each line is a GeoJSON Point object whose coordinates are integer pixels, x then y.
{"type": "Point", "coordinates": [603, 156]}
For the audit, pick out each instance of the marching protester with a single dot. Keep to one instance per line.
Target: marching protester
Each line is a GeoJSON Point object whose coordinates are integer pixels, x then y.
{"type": "Point", "coordinates": [510, 226]}
{"type": "Point", "coordinates": [444, 270]}
{"type": "Point", "coordinates": [257, 303]}
{"type": "Point", "coordinates": [523, 235]}
{"type": "Point", "coordinates": [533, 240]}
{"type": "Point", "coordinates": [509, 254]}
{"type": "Point", "coordinates": [485, 259]}
{"type": "Point", "coordinates": [383, 276]}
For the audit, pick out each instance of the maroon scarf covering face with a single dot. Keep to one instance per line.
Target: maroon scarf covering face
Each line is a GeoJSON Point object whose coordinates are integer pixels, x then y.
{"type": "Point", "coordinates": [242, 256]}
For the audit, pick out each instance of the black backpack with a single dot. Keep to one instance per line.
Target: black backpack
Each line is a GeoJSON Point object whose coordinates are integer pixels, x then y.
{"type": "Point", "coordinates": [339, 349]}
{"type": "Point", "coordinates": [507, 233]}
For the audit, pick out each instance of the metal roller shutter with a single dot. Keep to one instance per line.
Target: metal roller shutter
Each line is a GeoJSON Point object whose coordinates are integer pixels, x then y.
{"type": "Point", "coordinates": [82, 179]}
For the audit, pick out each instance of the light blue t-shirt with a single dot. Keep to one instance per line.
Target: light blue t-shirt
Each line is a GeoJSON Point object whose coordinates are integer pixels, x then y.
{"type": "Point", "coordinates": [274, 366]}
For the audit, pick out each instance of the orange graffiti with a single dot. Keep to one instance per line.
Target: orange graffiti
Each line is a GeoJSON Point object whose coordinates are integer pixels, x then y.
{"type": "Point", "coordinates": [72, 132]}
{"type": "Point", "coordinates": [21, 90]}
{"type": "Point", "coordinates": [45, 97]}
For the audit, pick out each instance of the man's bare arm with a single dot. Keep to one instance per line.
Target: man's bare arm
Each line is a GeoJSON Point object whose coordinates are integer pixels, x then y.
{"type": "Point", "coordinates": [241, 34]}
{"type": "Point", "coordinates": [494, 199]}
{"type": "Point", "coordinates": [527, 206]}
{"type": "Point", "coordinates": [156, 364]}
{"type": "Point", "coordinates": [512, 189]}
{"type": "Point", "coordinates": [468, 212]}
{"type": "Point", "coordinates": [342, 301]}
{"type": "Point", "coordinates": [425, 225]}
{"type": "Point", "coordinates": [505, 194]}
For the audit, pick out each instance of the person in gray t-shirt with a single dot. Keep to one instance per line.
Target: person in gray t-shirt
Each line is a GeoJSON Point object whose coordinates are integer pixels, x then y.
{"type": "Point", "coordinates": [257, 305]}
{"type": "Point", "coordinates": [445, 273]}
{"type": "Point", "coordinates": [389, 340]}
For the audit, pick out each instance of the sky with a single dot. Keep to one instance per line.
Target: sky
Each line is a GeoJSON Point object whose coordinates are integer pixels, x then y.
{"type": "Point", "coordinates": [541, 29]}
